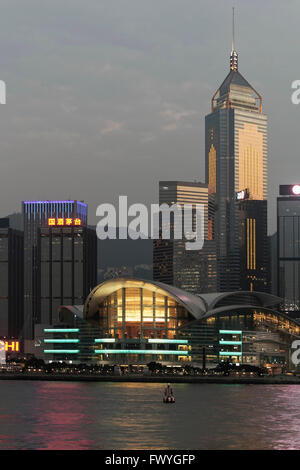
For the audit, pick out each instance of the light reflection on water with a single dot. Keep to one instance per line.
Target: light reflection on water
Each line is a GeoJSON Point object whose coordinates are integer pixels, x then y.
{"type": "Point", "coordinates": [76, 415]}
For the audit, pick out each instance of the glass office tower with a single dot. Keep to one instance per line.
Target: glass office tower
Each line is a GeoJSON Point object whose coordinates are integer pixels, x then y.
{"type": "Point", "coordinates": [236, 160]}
{"type": "Point", "coordinates": [194, 270]}
{"type": "Point", "coordinates": [254, 245]}
{"type": "Point", "coordinates": [288, 246]}
{"type": "Point", "coordinates": [36, 215]}
{"type": "Point", "coordinates": [67, 267]}
{"type": "Point", "coordinates": [11, 280]}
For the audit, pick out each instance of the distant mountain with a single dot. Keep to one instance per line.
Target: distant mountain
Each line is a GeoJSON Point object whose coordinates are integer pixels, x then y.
{"type": "Point", "coordinates": [125, 258]}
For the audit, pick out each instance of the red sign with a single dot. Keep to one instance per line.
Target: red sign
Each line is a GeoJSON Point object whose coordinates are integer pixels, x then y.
{"type": "Point", "coordinates": [60, 222]}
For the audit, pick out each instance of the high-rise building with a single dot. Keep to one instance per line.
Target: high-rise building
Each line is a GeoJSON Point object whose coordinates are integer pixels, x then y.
{"type": "Point", "coordinates": [67, 266]}
{"type": "Point", "coordinates": [254, 253]}
{"type": "Point", "coordinates": [191, 270]}
{"type": "Point", "coordinates": [273, 263]}
{"type": "Point", "coordinates": [11, 280]}
{"type": "Point", "coordinates": [236, 160]}
{"type": "Point", "coordinates": [288, 248]}
{"type": "Point", "coordinates": [36, 215]}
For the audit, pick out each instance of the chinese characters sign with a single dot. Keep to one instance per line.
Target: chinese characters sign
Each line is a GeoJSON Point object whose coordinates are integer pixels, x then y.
{"type": "Point", "coordinates": [61, 222]}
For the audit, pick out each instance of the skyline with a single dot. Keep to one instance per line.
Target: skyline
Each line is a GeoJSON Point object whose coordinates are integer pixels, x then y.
{"type": "Point", "coordinates": [134, 104]}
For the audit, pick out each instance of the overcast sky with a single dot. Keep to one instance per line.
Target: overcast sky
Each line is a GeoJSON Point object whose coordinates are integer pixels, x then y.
{"type": "Point", "coordinates": [107, 97]}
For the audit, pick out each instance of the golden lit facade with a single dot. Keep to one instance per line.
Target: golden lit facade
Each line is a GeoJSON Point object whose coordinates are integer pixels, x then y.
{"type": "Point", "coordinates": [138, 321]}
{"type": "Point", "coordinates": [251, 243]}
{"type": "Point", "coordinates": [251, 155]}
{"type": "Point", "coordinates": [132, 308]}
{"type": "Point", "coordinates": [133, 312]}
{"type": "Point", "coordinates": [212, 179]}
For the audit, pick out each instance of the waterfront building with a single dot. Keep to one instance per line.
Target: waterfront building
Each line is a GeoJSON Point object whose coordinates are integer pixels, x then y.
{"type": "Point", "coordinates": [190, 270]}
{"type": "Point", "coordinates": [67, 267]}
{"type": "Point", "coordinates": [11, 280]}
{"type": "Point", "coordinates": [136, 322]}
{"type": "Point", "coordinates": [236, 162]}
{"type": "Point", "coordinates": [288, 248]}
{"type": "Point", "coordinates": [37, 214]}
{"type": "Point", "coordinates": [242, 327]}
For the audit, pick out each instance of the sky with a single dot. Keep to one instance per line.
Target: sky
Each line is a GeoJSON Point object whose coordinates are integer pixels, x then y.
{"type": "Point", "coordinates": [107, 97]}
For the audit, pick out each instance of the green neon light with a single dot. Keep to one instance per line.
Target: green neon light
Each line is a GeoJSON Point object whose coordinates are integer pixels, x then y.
{"type": "Point", "coordinates": [230, 353]}
{"type": "Point", "coordinates": [140, 351]}
{"type": "Point", "coordinates": [229, 342]}
{"type": "Point", "coordinates": [171, 341]}
{"type": "Point", "coordinates": [105, 340]}
{"type": "Point", "coordinates": [61, 351]}
{"type": "Point", "coordinates": [61, 330]}
{"type": "Point", "coordinates": [61, 340]}
{"type": "Point", "coordinates": [230, 332]}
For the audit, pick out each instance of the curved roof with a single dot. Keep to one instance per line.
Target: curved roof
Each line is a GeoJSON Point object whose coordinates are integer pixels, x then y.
{"type": "Point", "coordinates": [194, 304]}
{"type": "Point", "coordinates": [199, 306]}
{"type": "Point", "coordinates": [67, 312]}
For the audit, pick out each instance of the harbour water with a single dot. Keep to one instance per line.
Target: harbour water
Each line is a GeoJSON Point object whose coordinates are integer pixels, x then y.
{"type": "Point", "coordinates": [77, 415]}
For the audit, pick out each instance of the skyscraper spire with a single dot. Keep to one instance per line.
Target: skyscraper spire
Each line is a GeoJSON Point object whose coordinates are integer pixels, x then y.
{"type": "Point", "coordinates": [233, 55]}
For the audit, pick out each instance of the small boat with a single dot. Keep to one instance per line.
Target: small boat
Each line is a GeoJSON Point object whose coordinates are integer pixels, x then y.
{"type": "Point", "coordinates": [168, 395]}
{"type": "Point", "coordinates": [169, 399]}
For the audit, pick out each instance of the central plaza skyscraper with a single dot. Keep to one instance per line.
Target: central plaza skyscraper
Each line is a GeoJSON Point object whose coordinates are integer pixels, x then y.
{"type": "Point", "coordinates": [236, 168]}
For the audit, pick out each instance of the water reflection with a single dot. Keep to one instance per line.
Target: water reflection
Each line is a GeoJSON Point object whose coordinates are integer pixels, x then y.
{"type": "Point", "coordinates": [55, 415]}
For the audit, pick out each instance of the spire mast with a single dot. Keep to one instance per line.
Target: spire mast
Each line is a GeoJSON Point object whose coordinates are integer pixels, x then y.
{"type": "Point", "coordinates": [233, 55]}
{"type": "Point", "coordinates": [232, 49]}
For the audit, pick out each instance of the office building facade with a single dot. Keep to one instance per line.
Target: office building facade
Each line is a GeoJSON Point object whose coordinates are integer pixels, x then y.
{"type": "Point", "coordinates": [67, 267]}
{"type": "Point", "coordinates": [191, 270]}
{"type": "Point", "coordinates": [253, 245]}
{"type": "Point", "coordinates": [236, 161]}
{"type": "Point", "coordinates": [288, 248]}
{"type": "Point", "coordinates": [11, 281]}
{"type": "Point", "coordinates": [36, 215]}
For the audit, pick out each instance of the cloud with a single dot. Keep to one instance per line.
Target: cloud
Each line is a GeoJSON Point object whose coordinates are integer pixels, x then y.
{"type": "Point", "coordinates": [111, 126]}
{"type": "Point", "coordinates": [124, 87]}
{"type": "Point", "coordinates": [176, 117]}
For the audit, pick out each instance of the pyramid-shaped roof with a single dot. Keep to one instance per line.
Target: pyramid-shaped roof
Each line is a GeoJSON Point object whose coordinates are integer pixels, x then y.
{"type": "Point", "coordinates": [234, 78]}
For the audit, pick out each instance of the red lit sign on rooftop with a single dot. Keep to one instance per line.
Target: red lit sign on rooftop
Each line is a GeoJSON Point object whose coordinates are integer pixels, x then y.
{"type": "Point", "coordinates": [60, 222]}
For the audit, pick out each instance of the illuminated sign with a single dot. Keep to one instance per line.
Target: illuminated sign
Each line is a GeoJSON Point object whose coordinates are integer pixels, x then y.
{"type": "Point", "coordinates": [12, 346]}
{"type": "Point", "coordinates": [296, 189]}
{"type": "Point", "coordinates": [241, 195]}
{"type": "Point", "coordinates": [61, 222]}
{"type": "Point", "coordinates": [141, 351]}
{"type": "Point", "coordinates": [289, 190]}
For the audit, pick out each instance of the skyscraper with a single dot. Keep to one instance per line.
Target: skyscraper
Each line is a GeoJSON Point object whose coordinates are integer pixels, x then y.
{"type": "Point", "coordinates": [36, 215]}
{"type": "Point", "coordinates": [236, 160]}
{"type": "Point", "coordinates": [11, 280]}
{"type": "Point", "coordinates": [194, 270]}
{"type": "Point", "coordinates": [253, 245]}
{"type": "Point", "coordinates": [67, 266]}
{"type": "Point", "coordinates": [288, 246]}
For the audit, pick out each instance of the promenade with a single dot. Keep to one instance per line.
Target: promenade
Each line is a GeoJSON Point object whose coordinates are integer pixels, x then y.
{"type": "Point", "coordinates": [266, 380]}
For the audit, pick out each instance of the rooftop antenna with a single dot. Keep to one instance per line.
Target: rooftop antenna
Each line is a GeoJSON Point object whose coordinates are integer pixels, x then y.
{"type": "Point", "coordinates": [232, 49]}
{"type": "Point", "coordinates": [233, 55]}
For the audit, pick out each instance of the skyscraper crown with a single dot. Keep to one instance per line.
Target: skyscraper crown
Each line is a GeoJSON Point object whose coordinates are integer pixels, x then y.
{"type": "Point", "coordinates": [236, 91]}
